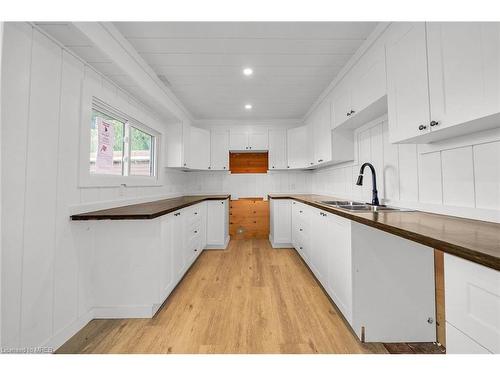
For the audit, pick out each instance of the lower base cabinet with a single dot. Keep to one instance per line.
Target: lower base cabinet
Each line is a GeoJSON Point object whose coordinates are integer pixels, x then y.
{"type": "Point", "coordinates": [382, 284]}
{"type": "Point", "coordinates": [472, 303]}
{"type": "Point", "coordinates": [139, 262]}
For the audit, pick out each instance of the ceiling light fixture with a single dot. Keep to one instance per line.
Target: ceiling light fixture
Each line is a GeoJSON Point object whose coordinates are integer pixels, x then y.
{"type": "Point", "coordinates": [248, 106]}
{"type": "Point", "coordinates": [248, 71]}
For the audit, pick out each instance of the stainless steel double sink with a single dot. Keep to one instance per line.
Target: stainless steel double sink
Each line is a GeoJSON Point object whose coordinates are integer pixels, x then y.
{"type": "Point", "coordinates": [361, 207]}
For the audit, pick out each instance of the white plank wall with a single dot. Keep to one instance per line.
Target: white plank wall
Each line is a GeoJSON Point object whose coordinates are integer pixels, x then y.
{"type": "Point", "coordinates": [457, 177]}
{"type": "Point", "coordinates": [45, 258]}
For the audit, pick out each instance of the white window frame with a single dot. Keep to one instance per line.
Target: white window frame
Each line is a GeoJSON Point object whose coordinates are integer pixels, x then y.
{"type": "Point", "coordinates": [112, 107]}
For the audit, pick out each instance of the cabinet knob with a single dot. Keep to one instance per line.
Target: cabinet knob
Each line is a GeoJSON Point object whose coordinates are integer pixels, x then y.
{"type": "Point", "coordinates": [224, 167]}
{"type": "Point", "coordinates": [422, 127]}
{"type": "Point", "coordinates": [300, 247]}
{"type": "Point", "coordinates": [352, 112]}
{"type": "Point", "coordinates": [195, 250]}
{"type": "Point", "coordinates": [273, 166]}
{"type": "Point", "coordinates": [434, 123]}
{"type": "Point", "coordinates": [196, 213]}
{"type": "Point", "coordinates": [209, 167]}
{"type": "Point", "coordinates": [348, 114]}
{"type": "Point", "coordinates": [320, 160]}
{"type": "Point", "coordinates": [300, 229]}
{"type": "Point", "coordinates": [311, 163]}
{"type": "Point", "coordinates": [195, 231]}
{"type": "Point", "coordinates": [185, 164]}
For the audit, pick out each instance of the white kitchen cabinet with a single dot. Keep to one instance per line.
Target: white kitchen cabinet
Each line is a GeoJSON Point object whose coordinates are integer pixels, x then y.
{"type": "Point", "coordinates": [339, 261]}
{"type": "Point", "coordinates": [407, 83]}
{"type": "Point", "coordinates": [280, 234]}
{"type": "Point", "coordinates": [297, 147]}
{"type": "Point", "coordinates": [219, 150]}
{"type": "Point", "coordinates": [258, 140]}
{"type": "Point", "coordinates": [199, 149]}
{"type": "Point", "coordinates": [277, 149]}
{"type": "Point", "coordinates": [166, 258]}
{"type": "Point", "coordinates": [322, 134]}
{"type": "Point", "coordinates": [361, 96]}
{"type": "Point", "coordinates": [383, 284]}
{"type": "Point", "coordinates": [217, 224]}
{"type": "Point", "coordinates": [321, 238]}
{"type": "Point", "coordinates": [178, 244]}
{"type": "Point", "coordinates": [301, 229]}
{"type": "Point", "coordinates": [464, 71]}
{"type": "Point", "coordinates": [341, 103]}
{"type": "Point", "coordinates": [178, 146]}
{"type": "Point", "coordinates": [458, 342]}
{"type": "Point", "coordinates": [472, 295]}
{"type": "Point", "coordinates": [248, 141]}
{"type": "Point", "coordinates": [310, 143]}
{"type": "Point", "coordinates": [443, 79]}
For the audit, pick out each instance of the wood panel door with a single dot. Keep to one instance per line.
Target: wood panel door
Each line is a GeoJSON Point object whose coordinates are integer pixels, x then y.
{"type": "Point", "coordinates": [249, 218]}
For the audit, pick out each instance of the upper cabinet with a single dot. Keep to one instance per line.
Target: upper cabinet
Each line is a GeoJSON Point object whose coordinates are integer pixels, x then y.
{"type": "Point", "coordinates": [443, 79]}
{"type": "Point", "coordinates": [178, 145]}
{"type": "Point", "coordinates": [360, 97]}
{"type": "Point", "coordinates": [297, 148]}
{"type": "Point", "coordinates": [245, 141]}
{"type": "Point", "coordinates": [219, 150]}
{"type": "Point", "coordinates": [464, 71]}
{"type": "Point", "coordinates": [407, 85]}
{"type": "Point", "coordinates": [277, 149]}
{"type": "Point", "coordinates": [322, 134]}
{"type": "Point", "coordinates": [199, 149]}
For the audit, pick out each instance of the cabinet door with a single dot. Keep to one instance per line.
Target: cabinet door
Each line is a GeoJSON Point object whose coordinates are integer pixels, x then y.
{"type": "Point", "coordinates": [464, 71]}
{"type": "Point", "coordinates": [323, 134]}
{"type": "Point", "coordinates": [238, 141]}
{"type": "Point", "coordinates": [166, 264]}
{"type": "Point", "coordinates": [219, 150]}
{"type": "Point", "coordinates": [369, 80]}
{"type": "Point", "coordinates": [199, 152]}
{"type": "Point", "coordinates": [472, 295]}
{"type": "Point", "coordinates": [341, 104]}
{"type": "Point", "coordinates": [407, 85]}
{"type": "Point", "coordinates": [178, 244]}
{"type": "Point", "coordinates": [282, 221]}
{"type": "Point", "coordinates": [297, 147]}
{"type": "Point", "coordinates": [215, 222]}
{"type": "Point", "coordinates": [310, 144]}
{"type": "Point", "coordinates": [339, 264]}
{"type": "Point", "coordinates": [258, 141]}
{"type": "Point", "coordinates": [319, 254]}
{"type": "Point", "coordinates": [277, 149]}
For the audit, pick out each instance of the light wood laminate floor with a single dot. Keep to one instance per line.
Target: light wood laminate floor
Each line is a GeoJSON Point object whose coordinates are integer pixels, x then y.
{"type": "Point", "coordinates": [247, 299]}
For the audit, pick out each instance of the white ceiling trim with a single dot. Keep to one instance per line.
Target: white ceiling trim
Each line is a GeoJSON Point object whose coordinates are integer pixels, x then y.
{"type": "Point", "coordinates": [111, 42]}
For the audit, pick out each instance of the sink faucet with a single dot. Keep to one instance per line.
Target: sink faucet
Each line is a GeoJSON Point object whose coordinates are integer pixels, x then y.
{"type": "Point", "coordinates": [375, 201]}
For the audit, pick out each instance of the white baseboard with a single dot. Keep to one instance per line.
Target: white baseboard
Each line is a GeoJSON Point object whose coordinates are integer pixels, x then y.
{"type": "Point", "coordinates": [67, 332]}
{"type": "Point", "coordinates": [122, 312]}
{"type": "Point", "coordinates": [279, 245]}
{"type": "Point", "coordinates": [217, 246]}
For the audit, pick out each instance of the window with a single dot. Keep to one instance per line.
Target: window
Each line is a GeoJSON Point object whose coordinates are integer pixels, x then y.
{"type": "Point", "coordinates": [119, 146]}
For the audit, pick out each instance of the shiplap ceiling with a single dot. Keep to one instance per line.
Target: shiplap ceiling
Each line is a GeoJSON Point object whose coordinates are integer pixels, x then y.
{"type": "Point", "coordinates": [202, 62]}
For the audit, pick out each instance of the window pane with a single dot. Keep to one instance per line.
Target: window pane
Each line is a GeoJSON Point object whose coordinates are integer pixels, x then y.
{"type": "Point", "coordinates": [140, 153]}
{"type": "Point", "coordinates": [117, 132]}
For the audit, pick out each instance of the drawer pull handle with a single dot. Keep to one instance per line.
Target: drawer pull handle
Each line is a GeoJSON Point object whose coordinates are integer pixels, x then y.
{"type": "Point", "coordinates": [300, 247]}
{"type": "Point", "coordinates": [300, 211]}
{"type": "Point", "coordinates": [195, 231]}
{"type": "Point", "coordinates": [300, 229]}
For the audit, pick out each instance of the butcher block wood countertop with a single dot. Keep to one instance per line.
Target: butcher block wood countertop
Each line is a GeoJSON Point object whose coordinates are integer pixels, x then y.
{"type": "Point", "coordinates": [148, 210]}
{"type": "Point", "coordinates": [474, 240]}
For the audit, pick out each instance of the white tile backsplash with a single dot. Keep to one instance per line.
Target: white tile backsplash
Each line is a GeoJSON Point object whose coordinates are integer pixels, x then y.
{"type": "Point", "coordinates": [487, 175]}
{"type": "Point", "coordinates": [458, 177]}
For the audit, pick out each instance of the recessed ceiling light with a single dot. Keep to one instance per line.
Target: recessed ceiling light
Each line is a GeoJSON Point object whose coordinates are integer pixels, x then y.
{"type": "Point", "coordinates": [248, 106]}
{"type": "Point", "coordinates": [248, 71]}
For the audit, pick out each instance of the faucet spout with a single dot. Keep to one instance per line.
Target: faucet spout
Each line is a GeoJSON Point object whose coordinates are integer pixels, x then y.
{"type": "Point", "coordinates": [359, 182]}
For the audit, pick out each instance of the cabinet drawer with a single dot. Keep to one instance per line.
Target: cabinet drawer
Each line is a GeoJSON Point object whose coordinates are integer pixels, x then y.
{"type": "Point", "coordinates": [458, 342]}
{"type": "Point", "coordinates": [472, 295]}
{"type": "Point", "coordinates": [194, 229]}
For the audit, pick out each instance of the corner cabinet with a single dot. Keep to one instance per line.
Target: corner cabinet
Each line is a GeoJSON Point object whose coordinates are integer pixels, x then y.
{"type": "Point", "coordinates": [217, 224]}
{"type": "Point", "coordinates": [443, 79]}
